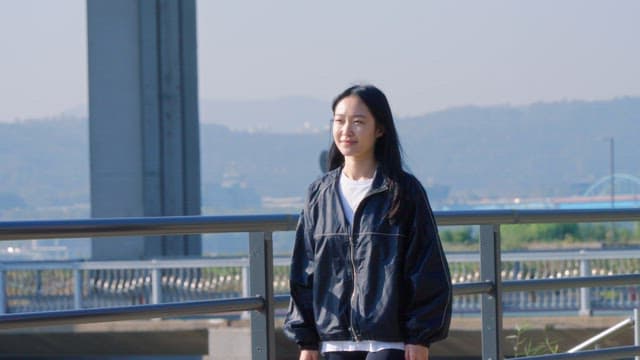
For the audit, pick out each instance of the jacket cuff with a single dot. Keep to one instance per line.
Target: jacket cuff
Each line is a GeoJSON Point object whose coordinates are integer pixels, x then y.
{"type": "Point", "coordinates": [310, 346]}
{"type": "Point", "coordinates": [426, 344]}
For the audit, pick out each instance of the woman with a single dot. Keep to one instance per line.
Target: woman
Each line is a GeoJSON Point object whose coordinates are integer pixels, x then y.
{"type": "Point", "coordinates": [369, 279]}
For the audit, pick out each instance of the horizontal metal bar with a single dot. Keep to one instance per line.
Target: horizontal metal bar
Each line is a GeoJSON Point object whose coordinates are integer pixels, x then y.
{"type": "Point", "coordinates": [608, 332]}
{"type": "Point", "coordinates": [452, 257]}
{"type": "Point", "coordinates": [558, 255]}
{"type": "Point", "coordinates": [602, 354]}
{"type": "Point", "coordinates": [125, 264]}
{"type": "Point", "coordinates": [472, 288]}
{"type": "Point", "coordinates": [136, 312]}
{"type": "Point", "coordinates": [571, 282]}
{"type": "Point", "coordinates": [47, 229]}
{"type": "Point", "coordinates": [548, 255]}
{"type": "Point", "coordinates": [526, 285]}
{"type": "Point", "coordinates": [281, 301]}
{"type": "Point", "coordinates": [504, 217]}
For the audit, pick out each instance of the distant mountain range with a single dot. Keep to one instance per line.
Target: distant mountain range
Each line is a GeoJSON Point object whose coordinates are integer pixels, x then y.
{"type": "Point", "coordinates": [282, 115]}
{"type": "Point", "coordinates": [545, 149]}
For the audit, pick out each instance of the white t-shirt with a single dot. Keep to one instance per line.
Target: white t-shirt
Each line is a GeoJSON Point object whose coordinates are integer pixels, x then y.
{"type": "Point", "coordinates": [365, 345]}
{"type": "Point", "coordinates": [351, 193]}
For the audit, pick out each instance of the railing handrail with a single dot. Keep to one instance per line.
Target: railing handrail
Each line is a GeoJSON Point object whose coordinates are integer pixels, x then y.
{"type": "Point", "coordinates": [603, 334]}
{"type": "Point", "coordinates": [137, 226]}
{"type": "Point", "coordinates": [52, 318]}
{"type": "Point", "coordinates": [129, 264]}
{"type": "Point", "coordinates": [171, 225]}
{"type": "Point", "coordinates": [261, 228]}
{"type": "Point", "coordinates": [132, 312]}
{"type": "Point", "coordinates": [510, 217]}
{"type": "Point", "coordinates": [240, 261]}
{"type": "Point", "coordinates": [600, 354]}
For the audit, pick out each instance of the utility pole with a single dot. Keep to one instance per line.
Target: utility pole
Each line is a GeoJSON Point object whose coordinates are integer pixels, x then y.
{"type": "Point", "coordinates": [612, 179]}
{"type": "Point", "coordinates": [612, 171]}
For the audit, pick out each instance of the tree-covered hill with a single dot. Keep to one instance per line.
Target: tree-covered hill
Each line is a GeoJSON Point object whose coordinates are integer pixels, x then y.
{"type": "Point", "coordinates": [544, 149]}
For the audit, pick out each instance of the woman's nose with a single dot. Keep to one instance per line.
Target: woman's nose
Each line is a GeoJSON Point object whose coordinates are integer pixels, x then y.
{"type": "Point", "coordinates": [348, 127]}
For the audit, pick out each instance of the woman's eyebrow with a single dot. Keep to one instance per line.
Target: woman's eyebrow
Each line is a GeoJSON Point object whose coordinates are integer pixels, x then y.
{"type": "Point", "coordinates": [358, 115]}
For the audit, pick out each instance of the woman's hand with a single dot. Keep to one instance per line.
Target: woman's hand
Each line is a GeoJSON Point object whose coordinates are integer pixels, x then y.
{"type": "Point", "coordinates": [309, 355]}
{"type": "Point", "coordinates": [416, 352]}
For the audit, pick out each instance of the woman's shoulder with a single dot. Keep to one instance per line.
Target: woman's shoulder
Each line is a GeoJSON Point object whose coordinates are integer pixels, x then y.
{"type": "Point", "coordinates": [411, 182]}
{"type": "Point", "coordinates": [325, 179]}
{"type": "Point", "coordinates": [321, 183]}
{"type": "Point", "coordinates": [414, 191]}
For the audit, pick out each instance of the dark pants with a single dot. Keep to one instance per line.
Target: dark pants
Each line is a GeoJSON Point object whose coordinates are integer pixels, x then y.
{"type": "Point", "coordinates": [389, 354]}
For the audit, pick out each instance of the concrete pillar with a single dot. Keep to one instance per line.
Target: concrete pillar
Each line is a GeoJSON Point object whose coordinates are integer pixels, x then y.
{"type": "Point", "coordinates": [143, 112]}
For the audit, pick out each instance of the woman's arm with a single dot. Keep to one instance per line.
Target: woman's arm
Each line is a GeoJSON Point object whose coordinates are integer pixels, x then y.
{"type": "Point", "coordinates": [299, 323]}
{"type": "Point", "coordinates": [426, 273]}
{"type": "Point", "coordinates": [309, 355]}
{"type": "Point", "coordinates": [416, 352]}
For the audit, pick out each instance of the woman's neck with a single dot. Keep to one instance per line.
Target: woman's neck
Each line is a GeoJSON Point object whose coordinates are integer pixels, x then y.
{"type": "Point", "coordinates": [357, 169]}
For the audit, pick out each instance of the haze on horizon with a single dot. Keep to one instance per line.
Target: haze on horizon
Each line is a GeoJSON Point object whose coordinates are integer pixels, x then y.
{"type": "Point", "coordinates": [426, 55]}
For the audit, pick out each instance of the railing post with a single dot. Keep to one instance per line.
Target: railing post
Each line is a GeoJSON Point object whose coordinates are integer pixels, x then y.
{"type": "Point", "coordinates": [490, 265]}
{"type": "Point", "coordinates": [636, 330]}
{"type": "Point", "coordinates": [246, 290]}
{"type": "Point", "coordinates": [77, 288]}
{"type": "Point", "coordinates": [156, 286]}
{"type": "Point", "coordinates": [261, 284]}
{"type": "Point", "coordinates": [585, 293]}
{"type": "Point", "coordinates": [3, 291]}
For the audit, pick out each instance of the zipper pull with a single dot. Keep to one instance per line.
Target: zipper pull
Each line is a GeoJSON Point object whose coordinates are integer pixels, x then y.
{"type": "Point", "coordinates": [353, 333]}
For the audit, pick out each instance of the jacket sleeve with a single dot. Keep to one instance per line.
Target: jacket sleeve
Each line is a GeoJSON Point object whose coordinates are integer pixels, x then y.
{"type": "Point", "coordinates": [299, 322]}
{"type": "Point", "coordinates": [426, 272]}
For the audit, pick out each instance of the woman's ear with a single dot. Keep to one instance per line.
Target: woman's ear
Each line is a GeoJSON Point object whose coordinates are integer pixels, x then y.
{"type": "Point", "coordinates": [379, 132]}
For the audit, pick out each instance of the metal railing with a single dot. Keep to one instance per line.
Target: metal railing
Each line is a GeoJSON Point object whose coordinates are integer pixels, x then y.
{"type": "Point", "coordinates": [64, 285]}
{"type": "Point", "coordinates": [633, 321]}
{"type": "Point", "coordinates": [262, 300]}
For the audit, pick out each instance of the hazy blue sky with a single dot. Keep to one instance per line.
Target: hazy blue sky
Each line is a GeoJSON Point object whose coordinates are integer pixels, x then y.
{"type": "Point", "coordinates": [426, 55]}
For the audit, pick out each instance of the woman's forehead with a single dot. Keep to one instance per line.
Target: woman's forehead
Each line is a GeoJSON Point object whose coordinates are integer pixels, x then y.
{"type": "Point", "coordinates": [352, 106]}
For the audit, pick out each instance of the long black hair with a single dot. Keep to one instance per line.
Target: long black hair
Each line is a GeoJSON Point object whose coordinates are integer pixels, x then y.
{"type": "Point", "coordinates": [387, 150]}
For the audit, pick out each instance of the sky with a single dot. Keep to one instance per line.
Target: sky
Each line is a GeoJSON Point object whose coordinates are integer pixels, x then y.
{"type": "Point", "coordinates": [426, 55]}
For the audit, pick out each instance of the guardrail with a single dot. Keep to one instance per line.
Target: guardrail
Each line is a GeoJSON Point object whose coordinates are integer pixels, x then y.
{"type": "Point", "coordinates": [262, 299]}
{"type": "Point", "coordinates": [64, 285]}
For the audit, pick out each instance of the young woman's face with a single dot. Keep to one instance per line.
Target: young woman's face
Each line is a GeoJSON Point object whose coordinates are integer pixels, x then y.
{"type": "Point", "coordinates": [354, 129]}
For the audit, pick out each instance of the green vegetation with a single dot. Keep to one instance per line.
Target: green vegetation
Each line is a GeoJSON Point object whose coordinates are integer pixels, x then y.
{"type": "Point", "coordinates": [523, 345]}
{"type": "Point", "coordinates": [527, 236]}
{"type": "Point", "coordinates": [462, 236]}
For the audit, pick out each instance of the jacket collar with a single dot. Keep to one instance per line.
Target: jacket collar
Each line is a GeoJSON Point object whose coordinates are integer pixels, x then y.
{"type": "Point", "coordinates": [380, 181]}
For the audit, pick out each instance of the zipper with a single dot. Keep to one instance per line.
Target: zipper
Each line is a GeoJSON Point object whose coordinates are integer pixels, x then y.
{"type": "Point", "coordinates": [352, 244]}
{"type": "Point", "coordinates": [355, 282]}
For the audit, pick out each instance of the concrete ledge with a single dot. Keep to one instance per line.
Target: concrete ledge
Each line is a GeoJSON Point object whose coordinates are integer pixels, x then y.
{"type": "Point", "coordinates": [221, 339]}
{"type": "Point", "coordinates": [193, 342]}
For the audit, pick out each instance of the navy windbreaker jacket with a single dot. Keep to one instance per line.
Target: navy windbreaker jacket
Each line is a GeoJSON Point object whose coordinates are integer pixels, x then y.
{"type": "Point", "coordinates": [376, 280]}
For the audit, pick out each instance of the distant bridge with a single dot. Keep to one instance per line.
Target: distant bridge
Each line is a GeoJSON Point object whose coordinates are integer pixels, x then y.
{"type": "Point", "coordinates": [597, 196]}
{"type": "Point", "coordinates": [624, 185]}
